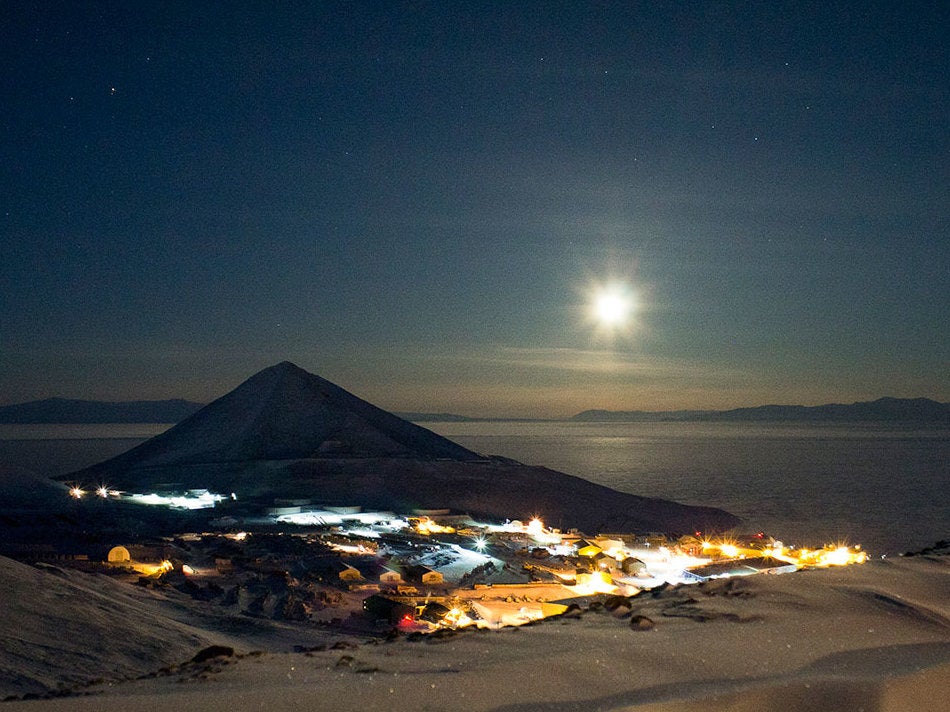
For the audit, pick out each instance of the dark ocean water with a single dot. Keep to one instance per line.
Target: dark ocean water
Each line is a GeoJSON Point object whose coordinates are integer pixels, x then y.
{"type": "Point", "coordinates": [53, 450]}
{"type": "Point", "coordinates": [885, 487]}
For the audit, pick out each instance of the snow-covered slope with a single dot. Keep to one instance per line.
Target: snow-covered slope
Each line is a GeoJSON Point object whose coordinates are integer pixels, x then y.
{"type": "Point", "coordinates": [65, 627]}
{"type": "Point", "coordinates": [872, 637]}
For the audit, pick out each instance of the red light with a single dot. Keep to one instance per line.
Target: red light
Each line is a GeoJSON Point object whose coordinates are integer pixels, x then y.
{"type": "Point", "coordinates": [407, 618]}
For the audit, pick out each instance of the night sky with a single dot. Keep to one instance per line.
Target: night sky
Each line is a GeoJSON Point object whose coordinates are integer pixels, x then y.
{"type": "Point", "coordinates": [422, 201]}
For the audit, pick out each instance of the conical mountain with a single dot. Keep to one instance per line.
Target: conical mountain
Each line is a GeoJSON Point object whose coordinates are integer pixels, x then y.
{"type": "Point", "coordinates": [288, 433]}
{"type": "Point", "coordinates": [285, 413]}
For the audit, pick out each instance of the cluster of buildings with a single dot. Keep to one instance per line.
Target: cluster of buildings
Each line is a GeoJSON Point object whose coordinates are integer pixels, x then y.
{"type": "Point", "coordinates": [433, 568]}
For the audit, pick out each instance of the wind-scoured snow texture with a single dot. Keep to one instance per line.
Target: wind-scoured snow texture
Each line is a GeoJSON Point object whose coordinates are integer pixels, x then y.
{"type": "Point", "coordinates": [61, 628]}
{"type": "Point", "coordinates": [288, 433]}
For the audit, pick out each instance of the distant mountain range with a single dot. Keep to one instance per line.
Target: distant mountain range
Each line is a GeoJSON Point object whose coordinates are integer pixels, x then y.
{"type": "Point", "coordinates": [880, 410]}
{"type": "Point", "coordinates": [65, 410]}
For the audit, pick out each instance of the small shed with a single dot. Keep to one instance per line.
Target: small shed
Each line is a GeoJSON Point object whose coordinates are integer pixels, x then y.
{"type": "Point", "coordinates": [433, 578]}
{"type": "Point", "coordinates": [632, 566]}
{"type": "Point", "coordinates": [424, 575]}
{"type": "Point", "coordinates": [603, 562]}
{"type": "Point", "coordinates": [587, 548]}
{"type": "Point", "coordinates": [390, 577]}
{"type": "Point", "coordinates": [345, 572]}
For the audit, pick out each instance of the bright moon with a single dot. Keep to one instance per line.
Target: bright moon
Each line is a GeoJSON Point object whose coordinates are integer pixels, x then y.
{"type": "Point", "coordinates": [611, 309]}
{"type": "Point", "coordinates": [612, 306]}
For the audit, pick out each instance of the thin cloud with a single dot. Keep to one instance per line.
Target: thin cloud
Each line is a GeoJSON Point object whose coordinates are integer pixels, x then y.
{"type": "Point", "coordinates": [591, 361]}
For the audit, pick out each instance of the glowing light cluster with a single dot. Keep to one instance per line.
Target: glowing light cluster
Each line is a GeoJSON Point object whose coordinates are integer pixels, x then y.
{"type": "Point", "coordinates": [832, 555]}
{"type": "Point", "coordinates": [351, 548]}
{"type": "Point", "coordinates": [828, 555]}
{"type": "Point", "coordinates": [193, 499]}
{"type": "Point", "coordinates": [730, 550]}
{"type": "Point", "coordinates": [457, 618]}
{"type": "Point", "coordinates": [321, 517]}
{"type": "Point", "coordinates": [154, 569]}
{"type": "Point", "coordinates": [426, 526]}
{"type": "Point", "coordinates": [592, 583]}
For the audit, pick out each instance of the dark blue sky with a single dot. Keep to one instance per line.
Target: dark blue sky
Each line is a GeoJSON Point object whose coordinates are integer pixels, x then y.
{"type": "Point", "coordinates": [418, 200]}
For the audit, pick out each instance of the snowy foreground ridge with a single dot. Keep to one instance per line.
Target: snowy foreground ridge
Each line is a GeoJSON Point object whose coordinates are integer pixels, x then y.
{"type": "Point", "coordinates": [872, 637]}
